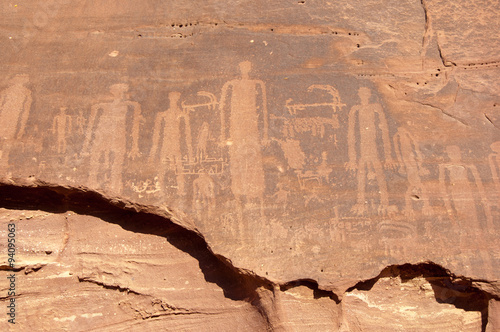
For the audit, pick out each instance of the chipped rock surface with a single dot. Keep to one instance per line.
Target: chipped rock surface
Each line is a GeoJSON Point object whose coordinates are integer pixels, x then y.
{"type": "Point", "coordinates": [251, 165]}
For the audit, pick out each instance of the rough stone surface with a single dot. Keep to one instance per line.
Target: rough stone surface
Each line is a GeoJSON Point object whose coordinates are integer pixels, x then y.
{"type": "Point", "coordinates": [251, 165]}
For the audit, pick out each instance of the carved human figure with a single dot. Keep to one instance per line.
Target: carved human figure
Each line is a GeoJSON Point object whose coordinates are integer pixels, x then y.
{"type": "Point", "coordinates": [202, 144]}
{"type": "Point", "coordinates": [458, 192]}
{"type": "Point", "coordinates": [107, 133]}
{"type": "Point", "coordinates": [494, 159]}
{"type": "Point", "coordinates": [369, 160]}
{"type": "Point", "coordinates": [281, 197]}
{"type": "Point", "coordinates": [170, 154]}
{"type": "Point", "coordinates": [15, 105]}
{"type": "Point", "coordinates": [60, 125]}
{"type": "Point", "coordinates": [410, 162]}
{"type": "Point", "coordinates": [204, 195]}
{"type": "Point", "coordinates": [244, 136]}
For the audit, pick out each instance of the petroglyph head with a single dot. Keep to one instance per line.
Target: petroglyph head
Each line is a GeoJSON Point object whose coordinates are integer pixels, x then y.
{"type": "Point", "coordinates": [364, 94]}
{"type": "Point", "coordinates": [495, 147]}
{"type": "Point", "coordinates": [454, 153]}
{"type": "Point", "coordinates": [245, 68]}
{"type": "Point", "coordinates": [20, 79]}
{"type": "Point", "coordinates": [118, 90]}
{"type": "Point", "coordinates": [174, 97]}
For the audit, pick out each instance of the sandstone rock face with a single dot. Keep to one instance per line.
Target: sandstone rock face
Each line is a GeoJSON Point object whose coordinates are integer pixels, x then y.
{"type": "Point", "coordinates": [250, 165]}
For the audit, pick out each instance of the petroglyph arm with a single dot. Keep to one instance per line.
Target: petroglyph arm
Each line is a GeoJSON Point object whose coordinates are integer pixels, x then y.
{"type": "Point", "coordinates": [156, 136]}
{"type": "Point", "coordinates": [444, 191]}
{"type": "Point", "coordinates": [264, 109]}
{"type": "Point", "coordinates": [493, 166]}
{"type": "Point", "coordinates": [222, 105]}
{"type": "Point", "coordinates": [482, 195]}
{"type": "Point", "coordinates": [134, 153]}
{"type": "Point", "coordinates": [351, 138]}
{"type": "Point", "coordinates": [398, 150]}
{"type": "Point", "coordinates": [389, 162]}
{"type": "Point", "coordinates": [25, 114]}
{"type": "Point", "coordinates": [90, 126]}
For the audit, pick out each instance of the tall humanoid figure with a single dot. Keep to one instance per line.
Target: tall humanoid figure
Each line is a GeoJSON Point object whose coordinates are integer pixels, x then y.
{"type": "Point", "coordinates": [244, 135]}
{"type": "Point", "coordinates": [106, 138]}
{"type": "Point", "coordinates": [367, 162]}
{"type": "Point", "coordinates": [169, 122]}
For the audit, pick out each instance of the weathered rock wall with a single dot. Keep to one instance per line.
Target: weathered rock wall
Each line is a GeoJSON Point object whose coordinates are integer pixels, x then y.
{"type": "Point", "coordinates": [284, 165]}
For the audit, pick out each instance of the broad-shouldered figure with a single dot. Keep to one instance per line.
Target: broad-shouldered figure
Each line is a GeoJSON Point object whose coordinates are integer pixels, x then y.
{"type": "Point", "coordinates": [369, 160]}
{"type": "Point", "coordinates": [243, 135]}
{"type": "Point", "coordinates": [169, 146]}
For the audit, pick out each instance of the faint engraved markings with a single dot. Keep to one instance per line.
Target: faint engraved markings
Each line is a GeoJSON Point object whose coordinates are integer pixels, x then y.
{"type": "Point", "coordinates": [61, 126]}
{"type": "Point", "coordinates": [106, 138]}
{"type": "Point", "coordinates": [494, 161]}
{"type": "Point", "coordinates": [15, 106]}
{"type": "Point", "coordinates": [458, 190]}
{"type": "Point", "coordinates": [203, 152]}
{"type": "Point", "coordinates": [410, 163]}
{"type": "Point", "coordinates": [243, 136]}
{"type": "Point", "coordinates": [367, 163]}
{"type": "Point", "coordinates": [204, 203]}
{"type": "Point", "coordinates": [167, 143]}
{"type": "Point", "coordinates": [80, 122]}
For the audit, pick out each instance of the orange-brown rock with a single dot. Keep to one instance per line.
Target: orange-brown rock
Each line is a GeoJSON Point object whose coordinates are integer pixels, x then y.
{"type": "Point", "coordinates": [238, 165]}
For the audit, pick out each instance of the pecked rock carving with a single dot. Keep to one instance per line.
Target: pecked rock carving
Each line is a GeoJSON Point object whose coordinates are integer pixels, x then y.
{"type": "Point", "coordinates": [249, 166]}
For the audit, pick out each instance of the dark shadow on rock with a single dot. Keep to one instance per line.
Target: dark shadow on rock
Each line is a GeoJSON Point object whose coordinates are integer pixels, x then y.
{"type": "Point", "coordinates": [457, 291]}
{"type": "Point", "coordinates": [235, 284]}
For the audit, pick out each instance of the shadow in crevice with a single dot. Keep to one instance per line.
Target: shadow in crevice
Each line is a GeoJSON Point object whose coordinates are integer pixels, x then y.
{"type": "Point", "coordinates": [457, 291]}
{"type": "Point", "coordinates": [313, 285]}
{"type": "Point", "coordinates": [235, 284]}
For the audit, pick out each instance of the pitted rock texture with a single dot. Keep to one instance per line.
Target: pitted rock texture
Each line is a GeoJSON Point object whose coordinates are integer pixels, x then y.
{"type": "Point", "coordinates": [300, 146]}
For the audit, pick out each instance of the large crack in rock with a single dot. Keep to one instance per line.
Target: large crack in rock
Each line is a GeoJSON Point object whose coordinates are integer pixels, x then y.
{"type": "Point", "coordinates": [276, 303]}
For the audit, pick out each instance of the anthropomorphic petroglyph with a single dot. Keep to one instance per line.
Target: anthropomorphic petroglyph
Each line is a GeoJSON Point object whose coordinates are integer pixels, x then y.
{"type": "Point", "coordinates": [204, 132]}
{"type": "Point", "coordinates": [320, 175]}
{"type": "Point", "coordinates": [244, 136]}
{"type": "Point", "coordinates": [15, 105]}
{"type": "Point", "coordinates": [335, 104]}
{"type": "Point", "coordinates": [204, 195]}
{"type": "Point", "coordinates": [61, 125]}
{"type": "Point", "coordinates": [202, 142]}
{"type": "Point", "coordinates": [170, 155]}
{"type": "Point", "coordinates": [369, 160]}
{"type": "Point", "coordinates": [302, 120]}
{"type": "Point", "coordinates": [80, 123]}
{"type": "Point", "coordinates": [458, 192]}
{"type": "Point", "coordinates": [410, 162]}
{"type": "Point", "coordinates": [106, 138]}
